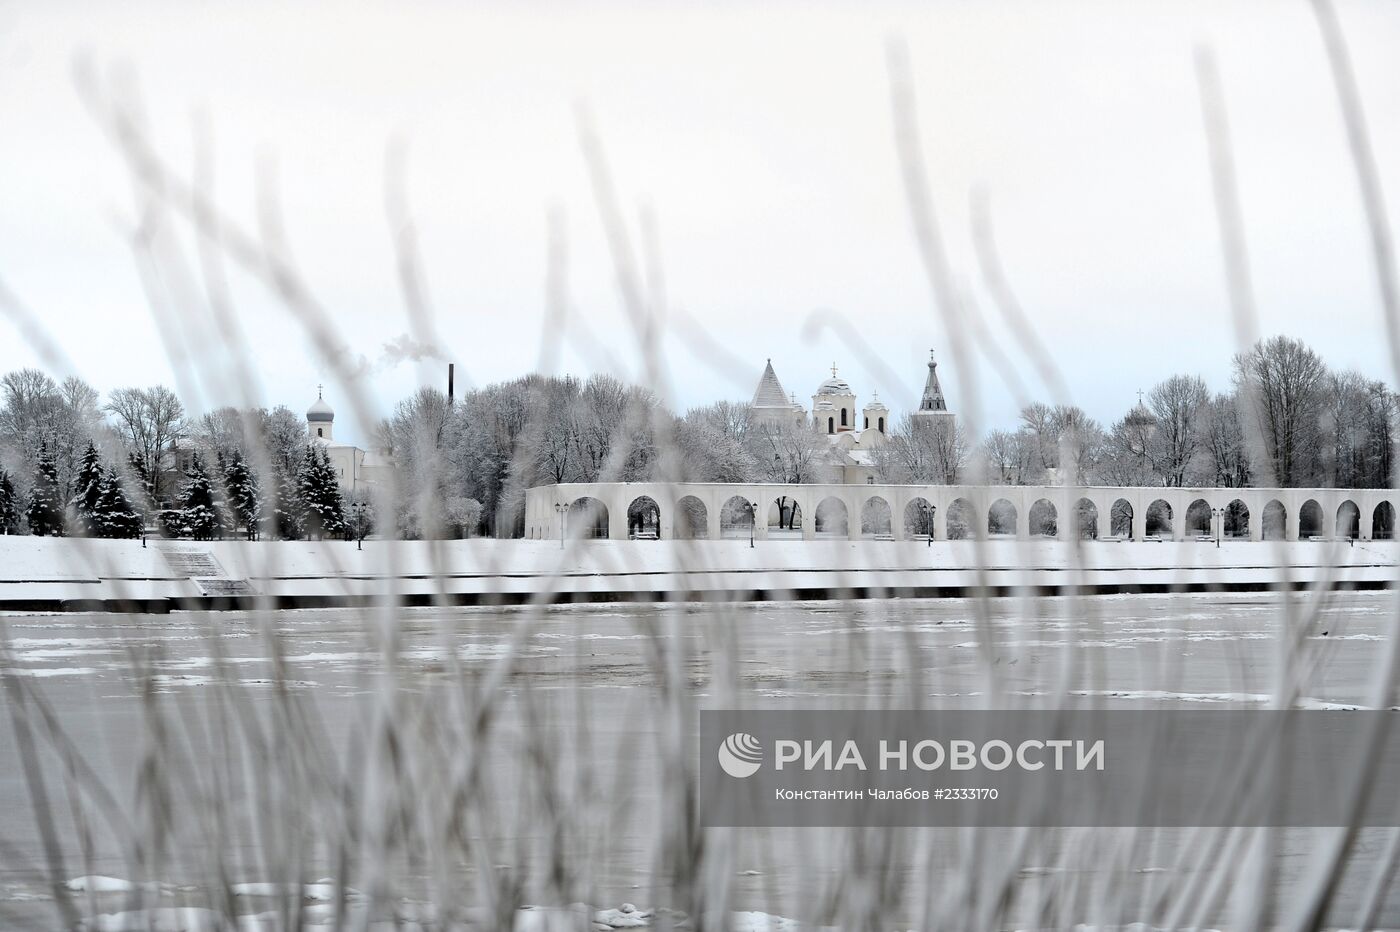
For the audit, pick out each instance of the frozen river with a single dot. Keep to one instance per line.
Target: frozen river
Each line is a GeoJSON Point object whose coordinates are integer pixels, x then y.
{"type": "Point", "coordinates": [230, 745]}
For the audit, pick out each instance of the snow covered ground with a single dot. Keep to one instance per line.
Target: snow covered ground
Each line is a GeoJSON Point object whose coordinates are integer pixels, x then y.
{"type": "Point", "coordinates": [45, 572]}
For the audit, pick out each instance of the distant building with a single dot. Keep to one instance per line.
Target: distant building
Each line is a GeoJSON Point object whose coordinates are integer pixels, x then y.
{"type": "Point", "coordinates": [357, 469]}
{"type": "Point", "coordinates": [854, 437]}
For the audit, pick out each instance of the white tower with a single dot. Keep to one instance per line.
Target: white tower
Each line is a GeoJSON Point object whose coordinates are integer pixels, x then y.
{"type": "Point", "coordinates": [834, 405]}
{"type": "Point", "coordinates": [319, 418]}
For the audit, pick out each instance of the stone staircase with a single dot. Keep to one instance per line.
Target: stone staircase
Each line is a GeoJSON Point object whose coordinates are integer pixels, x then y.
{"type": "Point", "coordinates": [200, 567]}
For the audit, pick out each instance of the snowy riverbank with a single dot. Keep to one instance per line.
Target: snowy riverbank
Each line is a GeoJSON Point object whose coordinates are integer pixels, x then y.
{"type": "Point", "coordinates": [50, 574]}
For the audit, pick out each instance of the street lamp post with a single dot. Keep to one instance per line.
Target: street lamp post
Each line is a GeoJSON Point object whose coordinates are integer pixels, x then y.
{"type": "Point", "coordinates": [753, 521]}
{"type": "Point", "coordinates": [358, 510]}
{"type": "Point", "coordinates": [561, 509]}
{"type": "Point", "coordinates": [929, 511]}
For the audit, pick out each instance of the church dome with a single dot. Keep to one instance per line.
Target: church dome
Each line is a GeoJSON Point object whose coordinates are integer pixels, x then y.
{"type": "Point", "coordinates": [876, 404]}
{"type": "Point", "coordinates": [320, 411]}
{"type": "Point", "coordinates": [834, 386]}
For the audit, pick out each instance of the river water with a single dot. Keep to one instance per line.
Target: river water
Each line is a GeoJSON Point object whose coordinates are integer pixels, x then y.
{"type": "Point", "coordinates": [574, 719]}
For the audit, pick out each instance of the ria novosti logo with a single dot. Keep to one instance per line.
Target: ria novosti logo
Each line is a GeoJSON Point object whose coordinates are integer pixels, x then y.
{"type": "Point", "coordinates": [740, 755]}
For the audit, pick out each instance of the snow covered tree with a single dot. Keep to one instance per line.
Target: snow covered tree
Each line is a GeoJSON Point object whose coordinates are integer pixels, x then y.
{"type": "Point", "coordinates": [45, 511]}
{"type": "Point", "coordinates": [244, 495]}
{"type": "Point", "coordinates": [84, 507]}
{"type": "Point", "coordinates": [117, 517]}
{"type": "Point", "coordinates": [201, 511]}
{"type": "Point", "coordinates": [288, 512]}
{"type": "Point", "coordinates": [9, 505]}
{"type": "Point", "coordinates": [320, 494]}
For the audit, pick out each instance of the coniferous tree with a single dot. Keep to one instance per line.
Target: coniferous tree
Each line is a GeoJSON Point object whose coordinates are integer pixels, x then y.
{"type": "Point", "coordinates": [117, 517]}
{"type": "Point", "coordinates": [201, 511]}
{"type": "Point", "coordinates": [244, 496]}
{"type": "Point", "coordinates": [84, 507]}
{"type": "Point", "coordinates": [320, 494]}
{"type": "Point", "coordinates": [45, 511]}
{"type": "Point", "coordinates": [9, 505]}
{"type": "Point", "coordinates": [289, 514]}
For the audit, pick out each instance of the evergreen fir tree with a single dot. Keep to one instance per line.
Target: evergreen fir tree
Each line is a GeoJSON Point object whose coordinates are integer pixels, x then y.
{"type": "Point", "coordinates": [320, 494]}
{"type": "Point", "coordinates": [244, 496]}
{"type": "Point", "coordinates": [45, 511]}
{"type": "Point", "coordinates": [9, 505]}
{"type": "Point", "coordinates": [289, 512]}
{"type": "Point", "coordinates": [84, 507]}
{"type": "Point", "coordinates": [201, 511]}
{"type": "Point", "coordinates": [118, 518]}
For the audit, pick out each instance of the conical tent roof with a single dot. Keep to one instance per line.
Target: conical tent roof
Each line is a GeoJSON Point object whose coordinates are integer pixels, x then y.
{"type": "Point", "coordinates": [933, 392]}
{"type": "Point", "coordinates": [769, 393]}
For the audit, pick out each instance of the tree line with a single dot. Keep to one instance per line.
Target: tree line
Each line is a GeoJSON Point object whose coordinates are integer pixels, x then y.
{"type": "Point", "coordinates": [74, 463]}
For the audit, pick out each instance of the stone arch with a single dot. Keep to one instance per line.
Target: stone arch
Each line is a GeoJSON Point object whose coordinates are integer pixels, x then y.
{"type": "Point", "coordinates": [876, 518]}
{"type": "Point", "coordinates": [1043, 519]}
{"type": "Point", "coordinates": [831, 425]}
{"type": "Point", "coordinates": [1275, 521]}
{"type": "Point", "coordinates": [881, 428]}
{"type": "Point", "coordinates": [1198, 517]}
{"type": "Point", "coordinates": [1237, 519]}
{"type": "Point", "coordinates": [962, 519]}
{"type": "Point", "coordinates": [843, 418]}
{"type": "Point", "coordinates": [1158, 520]}
{"type": "Point", "coordinates": [644, 519]}
{"type": "Point", "coordinates": [692, 519]}
{"type": "Point", "coordinates": [1348, 520]}
{"type": "Point", "coordinates": [588, 517]}
{"type": "Point", "coordinates": [1383, 522]}
{"type": "Point", "coordinates": [831, 517]}
{"type": "Point", "coordinates": [784, 517]}
{"type": "Point", "coordinates": [919, 516]}
{"type": "Point", "coordinates": [1001, 517]}
{"type": "Point", "coordinates": [1309, 520]}
{"type": "Point", "coordinates": [736, 517]}
{"type": "Point", "coordinates": [1086, 520]}
{"type": "Point", "coordinates": [1120, 518]}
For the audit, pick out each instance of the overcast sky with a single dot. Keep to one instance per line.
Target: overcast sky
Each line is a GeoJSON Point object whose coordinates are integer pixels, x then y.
{"type": "Point", "coordinates": [760, 138]}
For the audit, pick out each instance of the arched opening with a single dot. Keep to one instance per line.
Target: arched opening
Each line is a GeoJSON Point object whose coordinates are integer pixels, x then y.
{"type": "Point", "coordinates": [320, 432]}
{"type": "Point", "coordinates": [644, 519]}
{"type": "Point", "coordinates": [962, 520]}
{"type": "Point", "coordinates": [831, 517]}
{"type": "Point", "coordinates": [1383, 522]}
{"type": "Point", "coordinates": [1086, 520]}
{"type": "Point", "coordinates": [1001, 517]}
{"type": "Point", "coordinates": [1198, 518]}
{"type": "Point", "coordinates": [736, 517]}
{"type": "Point", "coordinates": [1159, 520]}
{"type": "Point", "coordinates": [587, 517]}
{"type": "Point", "coordinates": [1348, 520]}
{"type": "Point", "coordinates": [1043, 520]}
{"type": "Point", "coordinates": [843, 417]}
{"type": "Point", "coordinates": [785, 517]}
{"type": "Point", "coordinates": [876, 519]}
{"type": "Point", "coordinates": [1120, 519]}
{"type": "Point", "coordinates": [692, 519]}
{"type": "Point", "coordinates": [866, 421]}
{"type": "Point", "coordinates": [1275, 521]}
{"type": "Point", "coordinates": [881, 428]}
{"type": "Point", "coordinates": [1310, 520]}
{"type": "Point", "coordinates": [1237, 519]}
{"type": "Point", "coordinates": [831, 425]}
{"type": "Point", "coordinates": [918, 518]}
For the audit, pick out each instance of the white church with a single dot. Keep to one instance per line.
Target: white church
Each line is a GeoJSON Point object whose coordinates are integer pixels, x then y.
{"type": "Point", "coordinates": [358, 470]}
{"type": "Point", "coordinates": [834, 414]}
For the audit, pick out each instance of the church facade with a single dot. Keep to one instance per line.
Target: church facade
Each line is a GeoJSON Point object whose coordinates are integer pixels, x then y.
{"type": "Point", "coordinates": [358, 470]}
{"type": "Point", "coordinates": [854, 434]}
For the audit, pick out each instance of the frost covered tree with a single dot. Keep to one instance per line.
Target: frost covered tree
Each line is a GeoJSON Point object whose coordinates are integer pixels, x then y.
{"type": "Point", "coordinates": [717, 443]}
{"type": "Point", "coordinates": [84, 507]}
{"type": "Point", "coordinates": [45, 511]}
{"type": "Point", "coordinates": [117, 517]}
{"type": "Point", "coordinates": [922, 450]}
{"type": "Point", "coordinates": [201, 513]}
{"type": "Point", "coordinates": [1178, 406]}
{"type": "Point", "coordinates": [1282, 381]}
{"type": "Point", "coordinates": [319, 491]}
{"type": "Point", "coordinates": [288, 512]}
{"type": "Point", "coordinates": [150, 421]}
{"type": "Point", "coordinates": [244, 495]}
{"type": "Point", "coordinates": [9, 504]}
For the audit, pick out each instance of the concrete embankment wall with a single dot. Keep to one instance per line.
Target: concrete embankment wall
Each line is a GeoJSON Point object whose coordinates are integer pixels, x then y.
{"type": "Point", "coordinates": [50, 574]}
